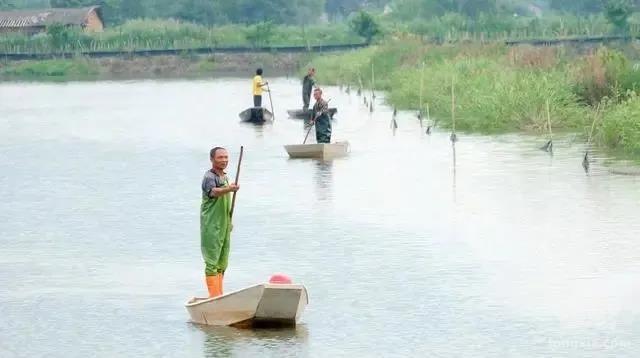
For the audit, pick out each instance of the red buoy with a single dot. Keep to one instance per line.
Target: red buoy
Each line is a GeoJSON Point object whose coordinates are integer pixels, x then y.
{"type": "Point", "coordinates": [280, 278]}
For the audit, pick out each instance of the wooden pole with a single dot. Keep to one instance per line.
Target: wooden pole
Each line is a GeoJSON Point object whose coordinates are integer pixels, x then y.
{"type": "Point", "coordinates": [549, 122]}
{"type": "Point", "coordinates": [233, 200]}
{"type": "Point", "coordinates": [271, 102]}
{"type": "Point", "coordinates": [373, 83]}
{"type": "Point", "coordinates": [421, 90]}
{"type": "Point", "coordinates": [453, 137]}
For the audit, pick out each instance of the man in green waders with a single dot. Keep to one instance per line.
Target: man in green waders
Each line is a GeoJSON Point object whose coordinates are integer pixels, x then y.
{"type": "Point", "coordinates": [322, 119]}
{"type": "Point", "coordinates": [215, 220]}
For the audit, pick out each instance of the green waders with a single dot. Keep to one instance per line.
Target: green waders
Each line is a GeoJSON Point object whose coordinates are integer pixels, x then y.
{"type": "Point", "coordinates": [215, 233]}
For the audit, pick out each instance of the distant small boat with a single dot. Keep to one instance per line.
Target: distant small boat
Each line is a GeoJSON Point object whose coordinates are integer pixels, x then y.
{"type": "Point", "coordinates": [256, 115]}
{"type": "Point", "coordinates": [302, 114]}
{"type": "Point", "coordinates": [318, 151]}
{"type": "Point", "coordinates": [262, 305]}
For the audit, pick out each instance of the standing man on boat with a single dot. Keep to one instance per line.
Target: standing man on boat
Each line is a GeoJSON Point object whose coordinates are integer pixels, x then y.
{"type": "Point", "coordinates": [215, 220]}
{"type": "Point", "coordinates": [322, 119]}
{"type": "Point", "coordinates": [257, 88]}
{"type": "Point", "coordinates": [307, 86]}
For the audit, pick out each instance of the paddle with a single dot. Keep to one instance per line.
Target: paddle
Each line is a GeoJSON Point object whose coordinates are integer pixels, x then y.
{"type": "Point", "coordinates": [313, 123]}
{"type": "Point", "coordinates": [271, 102]}
{"type": "Point", "coordinates": [233, 200]}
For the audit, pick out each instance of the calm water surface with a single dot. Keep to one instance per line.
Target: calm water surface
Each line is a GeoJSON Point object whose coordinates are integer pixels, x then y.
{"type": "Point", "coordinates": [509, 253]}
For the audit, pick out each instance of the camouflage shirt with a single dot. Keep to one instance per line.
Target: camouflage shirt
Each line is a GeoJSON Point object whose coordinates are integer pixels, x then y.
{"type": "Point", "coordinates": [321, 107]}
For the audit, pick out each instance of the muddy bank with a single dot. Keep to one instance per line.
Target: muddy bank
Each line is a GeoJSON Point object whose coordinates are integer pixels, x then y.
{"type": "Point", "coordinates": [190, 66]}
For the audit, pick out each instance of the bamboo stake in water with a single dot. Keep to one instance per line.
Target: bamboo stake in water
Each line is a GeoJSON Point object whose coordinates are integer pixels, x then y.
{"type": "Point", "coordinates": [430, 125]}
{"type": "Point", "coordinates": [454, 137]}
{"type": "Point", "coordinates": [549, 121]}
{"type": "Point", "coordinates": [585, 160]}
{"type": "Point", "coordinates": [421, 91]}
{"type": "Point", "coordinates": [593, 125]}
{"type": "Point", "coordinates": [373, 82]}
{"type": "Point", "coordinates": [549, 145]}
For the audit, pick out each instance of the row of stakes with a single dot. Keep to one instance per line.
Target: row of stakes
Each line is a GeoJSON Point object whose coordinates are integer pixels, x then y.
{"type": "Point", "coordinates": [547, 147]}
{"type": "Point", "coordinates": [394, 123]}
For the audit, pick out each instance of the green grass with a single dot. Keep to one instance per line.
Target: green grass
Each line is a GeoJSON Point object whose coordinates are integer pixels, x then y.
{"type": "Point", "coordinates": [501, 89]}
{"type": "Point", "coordinates": [76, 68]}
{"type": "Point", "coordinates": [454, 27]}
{"type": "Point", "coordinates": [169, 34]}
{"type": "Point", "coordinates": [619, 128]}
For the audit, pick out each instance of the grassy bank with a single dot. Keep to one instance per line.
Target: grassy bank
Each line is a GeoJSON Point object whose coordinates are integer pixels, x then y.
{"type": "Point", "coordinates": [54, 69]}
{"type": "Point", "coordinates": [500, 89]}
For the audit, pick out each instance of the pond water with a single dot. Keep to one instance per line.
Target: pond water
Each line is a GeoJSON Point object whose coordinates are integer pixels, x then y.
{"type": "Point", "coordinates": [510, 252]}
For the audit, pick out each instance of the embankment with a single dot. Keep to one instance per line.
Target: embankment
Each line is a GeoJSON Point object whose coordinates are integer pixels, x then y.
{"type": "Point", "coordinates": [189, 66]}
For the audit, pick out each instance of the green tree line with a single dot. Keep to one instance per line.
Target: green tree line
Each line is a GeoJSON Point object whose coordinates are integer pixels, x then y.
{"type": "Point", "coordinates": [308, 12]}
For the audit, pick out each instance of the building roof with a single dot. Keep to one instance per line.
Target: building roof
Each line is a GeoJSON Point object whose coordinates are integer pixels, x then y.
{"type": "Point", "coordinates": [46, 17]}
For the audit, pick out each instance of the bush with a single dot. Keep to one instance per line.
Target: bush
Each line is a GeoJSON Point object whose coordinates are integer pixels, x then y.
{"type": "Point", "coordinates": [604, 74]}
{"type": "Point", "coordinates": [365, 25]}
{"type": "Point", "coordinates": [620, 127]}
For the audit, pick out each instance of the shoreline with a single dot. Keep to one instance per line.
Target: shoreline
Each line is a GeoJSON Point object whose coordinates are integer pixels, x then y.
{"type": "Point", "coordinates": [141, 67]}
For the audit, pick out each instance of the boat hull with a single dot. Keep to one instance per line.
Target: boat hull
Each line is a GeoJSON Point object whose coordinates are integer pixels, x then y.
{"type": "Point", "coordinates": [301, 114]}
{"type": "Point", "coordinates": [256, 115]}
{"type": "Point", "coordinates": [260, 305]}
{"type": "Point", "coordinates": [318, 151]}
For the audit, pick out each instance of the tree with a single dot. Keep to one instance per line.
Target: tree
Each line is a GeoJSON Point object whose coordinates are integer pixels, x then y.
{"type": "Point", "coordinates": [200, 11]}
{"type": "Point", "coordinates": [618, 12]}
{"type": "Point", "coordinates": [365, 25]}
{"type": "Point", "coordinates": [476, 7]}
{"type": "Point", "coordinates": [6, 5]}
{"type": "Point", "coordinates": [260, 34]}
{"type": "Point", "coordinates": [342, 8]}
{"type": "Point", "coordinates": [577, 6]}
{"type": "Point", "coordinates": [70, 3]}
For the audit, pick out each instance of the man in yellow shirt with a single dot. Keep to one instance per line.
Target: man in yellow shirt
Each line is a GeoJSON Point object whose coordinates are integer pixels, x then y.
{"type": "Point", "coordinates": [257, 88]}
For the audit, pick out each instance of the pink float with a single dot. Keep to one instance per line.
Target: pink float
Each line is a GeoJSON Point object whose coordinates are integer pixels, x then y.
{"type": "Point", "coordinates": [280, 278]}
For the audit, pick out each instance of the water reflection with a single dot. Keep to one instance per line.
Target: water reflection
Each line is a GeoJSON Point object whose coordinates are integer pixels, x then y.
{"type": "Point", "coordinates": [453, 149]}
{"type": "Point", "coordinates": [259, 128]}
{"type": "Point", "coordinates": [323, 179]}
{"type": "Point", "coordinates": [228, 341]}
{"type": "Point", "coordinates": [470, 278]}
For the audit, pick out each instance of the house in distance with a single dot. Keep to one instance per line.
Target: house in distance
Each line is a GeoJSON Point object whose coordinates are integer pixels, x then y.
{"type": "Point", "coordinates": [35, 21]}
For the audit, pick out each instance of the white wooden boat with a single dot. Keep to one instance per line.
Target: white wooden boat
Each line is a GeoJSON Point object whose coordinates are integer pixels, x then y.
{"type": "Point", "coordinates": [262, 305]}
{"type": "Point", "coordinates": [256, 115]}
{"type": "Point", "coordinates": [318, 151]}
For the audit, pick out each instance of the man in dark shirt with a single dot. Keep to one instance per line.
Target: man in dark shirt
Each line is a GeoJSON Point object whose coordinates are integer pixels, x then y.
{"type": "Point", "coordinates": [307, 86]}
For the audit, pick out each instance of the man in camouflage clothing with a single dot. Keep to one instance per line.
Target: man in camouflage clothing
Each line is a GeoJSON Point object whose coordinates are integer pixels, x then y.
{"type": "Point", "coordinates": [322, 118]}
